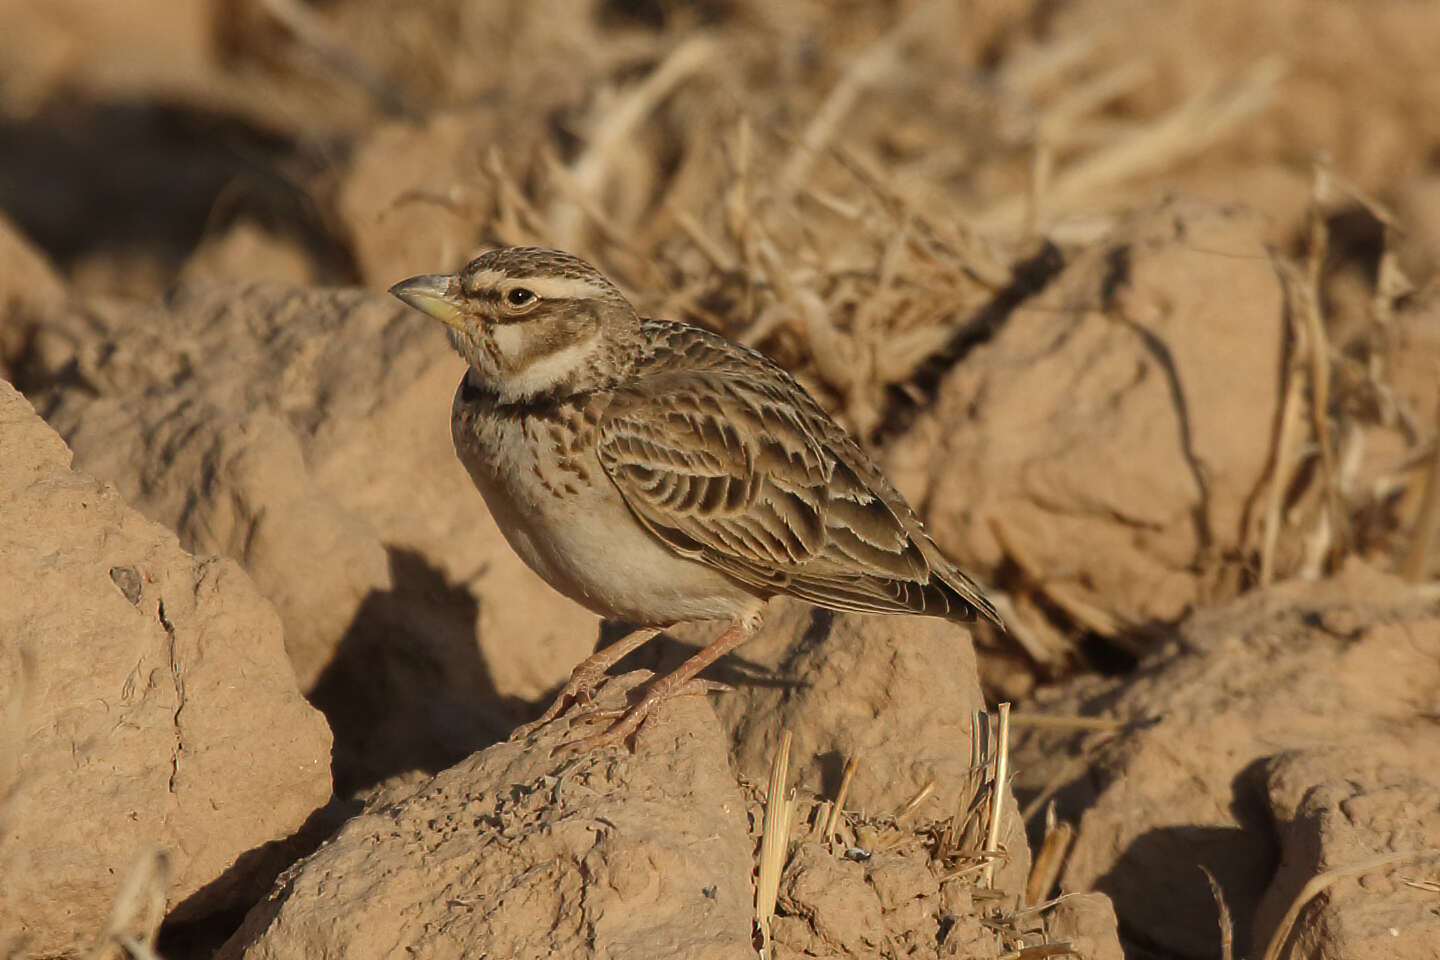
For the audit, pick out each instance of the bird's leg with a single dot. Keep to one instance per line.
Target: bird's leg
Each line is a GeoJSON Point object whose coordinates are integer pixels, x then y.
{"type": "Point", "coordinates": [671, 685]}
{"type": "Point", "coordinates": [694, 687]}
{"type": "Point", "coordinates": [587, 676]}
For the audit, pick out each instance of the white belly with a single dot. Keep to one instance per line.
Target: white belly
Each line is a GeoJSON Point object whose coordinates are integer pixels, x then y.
{"type": "Point", "coordinates": [587, 545]}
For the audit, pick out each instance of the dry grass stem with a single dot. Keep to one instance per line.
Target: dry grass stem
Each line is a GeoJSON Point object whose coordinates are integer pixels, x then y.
{"type": "Point", "coordinates": [1416, 566]}
{"type": "Point", "coordinates": [969, 870]}
{"type": "Point", "coordinates": [870, 68]}
{"type": "Point", "coordinates": [138, 909]}
{"type": "Point", "coordinates": [1051, 721]}
{"type": "Point", "coordinates": [1429, 886]}
{"type": "Point", "coordinates": [969, 800]}
{"type": "Point", "coordinates": [1049, 861]}
{"type": "Point", "coordinates": [1028, 72]}
{"type": "Point", "coordinates": [590, 206]}
{"type": "Point", "coordinates": [719, 258]}
{"type": "Point", "coordinates": [1321, 881]}
{"type": "Point", "coordinates": [910, 805]}
{"type": "Point", "coordinates": [774, 841]}
{"type": "Point", "coordinates": [1281, 471]}
{"type": "Point", "coordinates": [1391, 283]}
{"type": "Point", "coordinates": [1042, 168]}
{"type": "Point", "coordinates": [997, 792]}
{"type": "Point", "coordinates": [512, 205]}
{"type": "Point", "coordinates": [1227, 926]}
{"type": "Point", "coordinates": [1057, 124]}
{"type": "Point", "coordinates": [615, 127]}
{"type": "Point", "coordinates": [852, 763]}
{"type": "Point", "coordinates": [1185, 131]}
{"type": "Point", "coordinates": [1319, 345]}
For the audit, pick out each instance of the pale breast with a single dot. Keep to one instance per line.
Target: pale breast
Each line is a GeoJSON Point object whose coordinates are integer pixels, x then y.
{"type": "Point", "coordinates": [538, 472]}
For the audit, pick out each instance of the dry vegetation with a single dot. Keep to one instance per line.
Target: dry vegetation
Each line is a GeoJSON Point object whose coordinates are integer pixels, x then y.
{"type": "Point", "coordinates": [872, 194]}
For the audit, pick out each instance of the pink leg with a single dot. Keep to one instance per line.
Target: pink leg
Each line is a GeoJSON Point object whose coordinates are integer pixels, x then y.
{"type": "Point", "coordinates": [669, 686]}
{"type": "Point", "coordinates": [694, 687]}
{"type": "Point", "coordinates": [587, 676]}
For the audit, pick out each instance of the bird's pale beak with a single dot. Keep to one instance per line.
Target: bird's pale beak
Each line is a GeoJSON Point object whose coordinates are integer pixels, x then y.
{"type": "Point", "coordinates": [434, 294]}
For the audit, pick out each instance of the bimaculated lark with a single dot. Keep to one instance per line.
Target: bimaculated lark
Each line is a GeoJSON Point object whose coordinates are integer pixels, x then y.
{"type": "Point", "coordinates": [656, 472]}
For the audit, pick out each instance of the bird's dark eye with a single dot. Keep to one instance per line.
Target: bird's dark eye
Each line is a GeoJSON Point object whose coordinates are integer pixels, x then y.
{"type": "Point", "coordinates": [519, 297]}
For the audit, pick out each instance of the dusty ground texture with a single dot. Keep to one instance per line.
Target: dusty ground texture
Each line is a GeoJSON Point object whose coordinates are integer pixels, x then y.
{"type": "Point", "coordinates": [1288, 733]}
{"type": "Point", "coordinates": [523, 850]}
{"type": "Point", "coordinates": [512, 853]}
{"type": "Point", "coordinates": [1139, 303]}
{"type": "Point", "coordinates": [148, 702]}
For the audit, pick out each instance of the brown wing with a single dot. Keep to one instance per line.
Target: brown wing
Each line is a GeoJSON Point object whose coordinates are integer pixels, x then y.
{"type": "Point", "coordinates": [729, 461]}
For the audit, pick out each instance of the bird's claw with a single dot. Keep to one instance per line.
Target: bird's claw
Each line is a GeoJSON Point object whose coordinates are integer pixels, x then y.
{"type": "Point", "coordinates": [628, 721]}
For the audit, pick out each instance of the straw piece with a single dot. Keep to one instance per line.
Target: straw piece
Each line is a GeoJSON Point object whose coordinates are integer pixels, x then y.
{"type": "Point", "coordinates": [1185, 131]}
{"type": "Point", "coordinates": [882, 58]}
{"type": "Point", "coordinates": [1282, 470]}
{"type": "Point", "coordinates": [612, 131]}
{"type": "Point", "coordinates": [1321, 881]}
{"type": "Point", "coordinates": [774, 841]}
{"type": "Point", "coordinates": [1319, 343]}
{"type": "Point", "coordinates": [851, 764]}
{"type": "Point", "coordinates": [1057, 721]}
{"type": "Point", "coordinates": [1416, 565]}
{"type": "Point", "coordinates": [915, 801]}
{"type": "Point", "coordinates": [138, 909]}
{"type": "Point", "coordinates": [1227, 926]}
{"type": "Point", "coordinates": [1049, 860]}
{"type": "Point", "coordinates": [997, 792]}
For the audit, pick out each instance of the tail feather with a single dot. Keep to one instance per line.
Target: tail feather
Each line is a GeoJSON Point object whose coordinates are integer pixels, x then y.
{"type": "Point", "coordinates": [967, 599]}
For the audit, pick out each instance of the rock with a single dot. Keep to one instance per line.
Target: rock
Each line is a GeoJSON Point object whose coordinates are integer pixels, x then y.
{"type": "Point", "coordinates": [1352, 662]}
{"type": "Point", "coordinates": [1086, 921]}
{"type": "Point", "coordinates": [1111, 436]}
{"type": "Point", "coordinates": [305, 433]}
{"type": "Point", "coordinates": [155, 47]}
{"type": "Point", "coordinates": [148, 701]}
{"type": "Point", "coordinates": [245, 250]}
{"type": "Point", "coordinates": [412, 198]}
{"type": "Point", "coordinates": [830, 895]}
{"type": "Point", "coordinates": [1340, 806]}
{"type": "Point", "coordinates": [511, 853]}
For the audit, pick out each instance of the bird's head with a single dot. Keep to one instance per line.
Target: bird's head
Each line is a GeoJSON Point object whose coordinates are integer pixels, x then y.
{"type": "Point", "coordinates": [532, 322]}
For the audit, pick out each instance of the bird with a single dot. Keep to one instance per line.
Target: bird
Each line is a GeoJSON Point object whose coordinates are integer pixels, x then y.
{"type": "Point", "coordinates": [657, 472]}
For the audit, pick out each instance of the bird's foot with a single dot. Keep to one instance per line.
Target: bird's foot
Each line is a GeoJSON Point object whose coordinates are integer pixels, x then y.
{"type": "Point", "coordinates": [683, 679]}
{"type": "Point", "coordinates": [580, 688]}
{"type": "Point", "coordinates": [627, 721]}
{"type": "Point", "coordinates": [585, 678]}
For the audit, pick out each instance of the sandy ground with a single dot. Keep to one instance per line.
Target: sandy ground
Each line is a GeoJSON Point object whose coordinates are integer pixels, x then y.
{"type": "Point", "coordinates": [1138, 303]}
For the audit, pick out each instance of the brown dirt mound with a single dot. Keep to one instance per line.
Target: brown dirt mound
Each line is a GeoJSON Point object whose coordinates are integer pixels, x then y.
{"type": "Point", "coordinates": [1261, 720]}
{"type": "Point", "coordinates": [512, 853]}
{"type": "Point", "coordinates": [147, 702]}
{"type": "Point", "coordinates": [1113, 435]}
